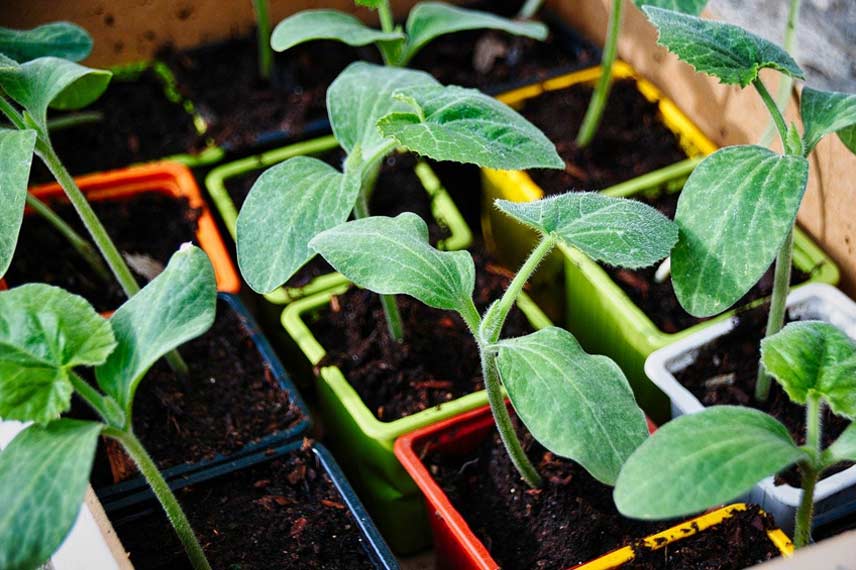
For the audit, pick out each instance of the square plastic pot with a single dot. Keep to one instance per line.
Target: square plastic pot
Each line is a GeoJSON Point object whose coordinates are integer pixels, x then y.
{"type": "Point", "coordinates": [372, 541]}
{"type": "Point", "coordinates": [816, 302]}
{"type": "Point", "coordinates": [364, 443]}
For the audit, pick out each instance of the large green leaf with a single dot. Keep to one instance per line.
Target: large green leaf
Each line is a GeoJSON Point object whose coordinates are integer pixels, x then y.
{"type": "Point", "coordinates": [576, 404]}
{"type": "Point", "coordinates": [429, 20]}
{"type": "Point", "coordinates": [327, 25]}
{"type": "Point", "coordinates": [393, 256]}
{"type": "Point", "coordinates": [52, 82]}
{"type": "Point", "coordinates": [16, 156]}
{"type": "Point", "coordinates": [176, 306]}
{"type": "Point", "coordinates": [725, 51]}
{"type": "Point", "coordinates": [813, 357]}
{"type": "Point", "coordinates": [620, 232]}
{"type": "Point", "coordinates": [44, 473]}
{"type": "Point", "coordinates": [843, 448]}
{"type": "Point", "coordinates": [693, 7]}
{"type": "Point", "coordinates": [825, 112]}
{"type": "Point", "coordinates": [58, 39]}
{"type": "Point", "coordinates": [288, 205]}
{"type": "Point", "coordinates": [44, 332]}
{"type": "Point", "coordinates": [465, 125]}
{"type": "Point", "coordinates": [734, 214]}
{"type": "Point", "coordinates": [701, 460]}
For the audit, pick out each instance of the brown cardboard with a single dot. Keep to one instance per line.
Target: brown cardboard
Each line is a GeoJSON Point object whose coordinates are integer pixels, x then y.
{"type": "Point", "coordinates": [107, 531]}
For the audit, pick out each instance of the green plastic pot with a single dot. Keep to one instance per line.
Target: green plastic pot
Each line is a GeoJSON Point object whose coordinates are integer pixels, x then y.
{"type": "Point", "coordinates": [364, 444]}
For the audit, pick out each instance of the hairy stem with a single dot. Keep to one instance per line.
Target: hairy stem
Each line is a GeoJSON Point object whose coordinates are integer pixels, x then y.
{"type": "Point", "coordinates": [529, 9]}
{"type": "Point", "coordinates": [12, 114]}
{"type": "Point", "coordinates": [778, 118]}
{"type": "Point", "coordinates": [260, 7]}
{"type": "Point", "coordinates": [810, 473]}
{"type": "Point", "coordinates": [164, 494]}
{"type": "Point", "coordinates": [783, 93]}
{"type": "Point", "coordinates": [594, 113]}
{"type": "Point", "coordinates": [778, 301]}
{"type": "Point", "coordinates": [75, 120]}
{"type": "Point", "coordinates": [384, 12]}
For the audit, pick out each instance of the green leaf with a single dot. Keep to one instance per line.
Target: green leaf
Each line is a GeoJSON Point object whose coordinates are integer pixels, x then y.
{"type": "Point", "coordinates": [813, 357]}
{"type": "Point", "coordinates": [44, 332]}
{"type": "Point", "coordinates": [843, 448]}
{"type": "Point", "coordinates": [288, 205]}
{"type": "Point", "coordinates": [465, 125]}
{"type": "Point", "coordinates": [373, 4]}
{"type": "Point", "coordinates": [312, 25]}
{"type": "Point", "coordinates": [848, 137]}
{"type": "Point", "coordinates": [16, 156]}
{"type": "Point", "coordinates": [58, 39]}
{"type": "Point", "coordinates": [360, 96]}
{"type": "Point", "coordinates": [725, 51]}
{"type": "Point", "coordinates": [429, 20]}
{"type": "Point", "coordinates": [620, 232]}
{"type": "Point", "coordinates": [693, 7]}
{"type": "Point", "coordinates": [52, 82]}
{"type": "Point", "coordinates": [701, 460]}
{"type": "Point", "coordinates": [577, 405]}
{"type": "Point", "coordinates": [392, 256]}
{"type": "Point", "coordinates": [176, 306]}
{"type": "Point", "coordinates": [44, 473]}
{"type": "Point", "coordinates": [825, 112]}
{"type": "Point", "coordinates": [734, 214]}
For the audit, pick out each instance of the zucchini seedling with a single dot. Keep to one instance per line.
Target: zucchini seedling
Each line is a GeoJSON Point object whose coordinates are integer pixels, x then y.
{"type": "Point", "coordinates": [47, 332]}
{"type": "Point", "coordinates": [709, 458]}
{"type": "Point", "coordinates": [577, 405]}
{"type": "Point", "coordinates": [737, 211]}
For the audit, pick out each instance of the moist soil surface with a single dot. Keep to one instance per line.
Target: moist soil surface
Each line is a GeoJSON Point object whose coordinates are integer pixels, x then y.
{"type": "Point", "coordinates": [149, 227]}
{"type": "Point", "coordinates": [438, 360]}
{"type": "Point", "coordinates": [632, 139]}
{"type": "Point", "coordinates": [139, 124]}
{"type": "Point", "coordinates": [284, 513]}
{"type": "Point", "coordinates": [230, 399]}
{"type": "Point", "coordinates": [738, 542]}
{"type": "Point", "coordinates": [658, 300]}
{"type": "Point", "coordinates": [724, 373]}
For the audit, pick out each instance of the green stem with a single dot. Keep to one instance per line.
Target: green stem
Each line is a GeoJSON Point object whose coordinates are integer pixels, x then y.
{"type": "Point", "coordinates": [783, 93]}
{"type": "Point", "coordinates": [810, 473]}
{"type": "Point", "coordinates": [393, 55]}
{"type": "Point", "coordinates": [778, 302]}
{"type": "Point", "coordinates": [778, 118]}
{"type": "Point", "coordinates": [260, 7]}
{"type": "Point", "coordinates": [529, 9]}
{"type": "Point", "coordinates": [164, 494]}
{"type": "Point", "coordinates": [594, 113]}
{"type": "Point", "coordinates": [89, 395]}
{"type": "Point", "coordinates": [12, 114]}
{"type": "Point", "coordinates": [74, 120]}
{"type": "Point", "coordinates": [387, 24]}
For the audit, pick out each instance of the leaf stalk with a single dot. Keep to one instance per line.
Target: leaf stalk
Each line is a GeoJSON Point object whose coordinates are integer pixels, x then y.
{"type": "Point", "coordinates": [262, 11]}
{"type": "Point", "coordinates": [810, 472]}
{"type": "Point", "coordinates": [778, 302]}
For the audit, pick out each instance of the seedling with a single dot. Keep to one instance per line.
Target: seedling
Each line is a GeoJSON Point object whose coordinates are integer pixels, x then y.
{"type": "Point", "coordinates": [45, 333]}
{"type": "Point", "coordinates": [737, 211]}
{"type": "Point", "coordinates": [709, 458]}
{"type": "Point", "coordinates": [262, 13]}
{"type": "Point", "coordinates": [373, 110]}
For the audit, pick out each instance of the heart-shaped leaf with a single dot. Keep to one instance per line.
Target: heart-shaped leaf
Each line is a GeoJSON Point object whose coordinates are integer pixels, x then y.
{"type": "Point", "coordinates": [392, 256]}
{"type": "Point", "coordinates": [176, 306]}
{"type": "Point", "coordinates": [620, 232]}
{"type": "Point", "coordinates": [576, 404]}
{"type": "Point", "coordinates": [825, 112]}
{"type": "Point", "coordinates": [734, 214]}
{"type": "Point", "coordinates": [693, 7]}
{"type": "Point", "coordinates": [58, 39]}
{"type": "Point", "coordinates": [813, 357]}
{"type": "Point", "coordinates": [312, 25]}
{"type": "Point", "coordinates": [44, 332]}
{"type": "Point", "coordinates": [44, 473]}
{"type": "Point", "coordinates": [702, 460]}
{"type": "Point", "coordinates": [725, 51]}
{"type": "Point", "coordinates": [16, 156]}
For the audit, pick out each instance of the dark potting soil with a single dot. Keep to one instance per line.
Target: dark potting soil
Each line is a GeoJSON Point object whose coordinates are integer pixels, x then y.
{"type": "Point", "coordinates": [724, 373]}
{"type": "Point", "coordinates": [150, 226]}
{"type": "Point", "coordinates": [738, 542]}
{"type": "Point", "coordinates": [438, 360]}
{"type": "Point", "coordinates": [139, 124]}
{"type": "Point", "coordinates": [223, 82]}
{"type": "Point", "coordinates": [658, 300]}
{"type": "Point", "coordinates": [284, 513]}
{"type": "Point", "coordinates": [632, 139]}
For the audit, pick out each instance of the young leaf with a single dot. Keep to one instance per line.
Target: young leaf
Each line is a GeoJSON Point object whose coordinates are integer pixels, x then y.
{"type": "Point", "coordinates": [814, 357]}
{"type": "Point", "coordinates": [392, 256]}
{"type": "Point", "coordinates": [734, 213]}
{"type": "Point", "coordinates": [176, 306]}
{"type": "Point", "coordinates": [43, 477]}
{"type": "Point", "coordinates": [725, 51]}
{"type": "Point", "coordinates": [701, 460]}
{"type": "Point", "coordinates": [843, 448]}
{"type": "Point", "coordinates": [288, 205]}
{"type": "Point", "coordinates": [52, 82]}
{"type": "Point", "coordinates": [58, 39]}
{"type": "Point", "coordinates": [16, 156]}
{"type": "Point", "coordinates": [620, 232]}
{"type": "Point", "coordinates": [825, 112]}
{"type": "Point", "coordinates": [693, 7]}
{"type": "Point", "coordinates": [44, 332]}
{"type": "Point", "coordinates": [848, 137]}
{"type": "Point", "coordinates": [429, 20]}
{"type": "Point", "coordinates": [312, 25]}
{"type": "Point", "coordinates": [465, 125]}
{"type": "Point", "coordinates": [593, 417]}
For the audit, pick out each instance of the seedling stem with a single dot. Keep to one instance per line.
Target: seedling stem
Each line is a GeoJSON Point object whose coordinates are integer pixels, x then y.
{"type": "Point", "coordinates": [261, 9]}
{"type": "Point", "coordinates": [529, 9]}
{"type": "Point", "coordinates": [809, 471]}
{"type": "Point", "coordinates": [786, 82]}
